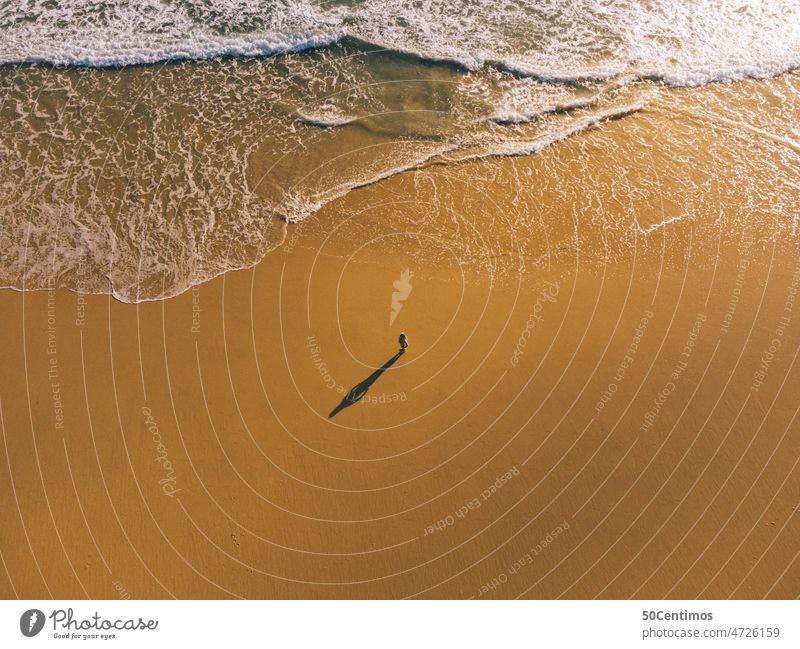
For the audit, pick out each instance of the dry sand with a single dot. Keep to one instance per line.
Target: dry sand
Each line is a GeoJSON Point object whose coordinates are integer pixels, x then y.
{"type": "Point", "coordinates": [588, 412]}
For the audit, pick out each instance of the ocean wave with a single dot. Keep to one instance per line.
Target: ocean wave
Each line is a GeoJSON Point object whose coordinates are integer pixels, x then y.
{"type": "Point", "coordinates": [505, 117]}
{"type": "Point", "coordinates": [105, 34]}
{"type": "Point", "coordinates": [528, 147]}
{"type": "Point", "coordinates": [197, 49]}
{"type": "Point", "coordinates": [295, 209]}
{"type": "Point", "coordinates": [582, 40]}
{"type": "Point", "coordinates": [326, 116]}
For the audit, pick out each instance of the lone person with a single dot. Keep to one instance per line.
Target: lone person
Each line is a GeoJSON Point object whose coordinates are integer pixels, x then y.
{"type": "Point", "coordinates": [403, 340]}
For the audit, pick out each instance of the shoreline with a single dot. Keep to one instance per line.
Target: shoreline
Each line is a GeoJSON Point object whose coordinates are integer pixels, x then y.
{"type": "Point", "coordinates": [136, 232]}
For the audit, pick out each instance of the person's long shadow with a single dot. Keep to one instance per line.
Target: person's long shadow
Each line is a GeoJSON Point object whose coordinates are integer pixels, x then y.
{"type": "Point", "coordinates": [357, 392]}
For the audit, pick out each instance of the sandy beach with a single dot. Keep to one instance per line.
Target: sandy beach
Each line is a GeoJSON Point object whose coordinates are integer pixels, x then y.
{"type": "Point", "coordinates": [596, 401]}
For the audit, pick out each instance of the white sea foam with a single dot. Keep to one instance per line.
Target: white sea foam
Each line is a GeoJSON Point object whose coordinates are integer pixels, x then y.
{"type": "Point", "coordinates": [682, 43]}
{"type": "Point", "coordinates": [327, 116]}
{"type": "Point", "coordinates": [105, 34]}
{"type": "Point", "coordinates": [522, 117]}
{"type": "Point", "coordinates": [564, 131]}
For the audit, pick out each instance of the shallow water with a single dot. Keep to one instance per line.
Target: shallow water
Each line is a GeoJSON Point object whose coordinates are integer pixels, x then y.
{"type": "Point", "coordinates": [144, 180]}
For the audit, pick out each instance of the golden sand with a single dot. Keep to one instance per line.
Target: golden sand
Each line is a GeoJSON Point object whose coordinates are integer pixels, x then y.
{"type": "Point", "coordinates": [594, 403]}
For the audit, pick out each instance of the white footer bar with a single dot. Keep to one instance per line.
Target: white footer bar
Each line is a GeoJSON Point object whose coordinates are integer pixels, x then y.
{"type": "Point", "coordinates": [390, 624]}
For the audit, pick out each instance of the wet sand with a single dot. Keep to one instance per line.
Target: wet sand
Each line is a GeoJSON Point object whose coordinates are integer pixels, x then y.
{"type": "Point", "coordinates": [594, 403]}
